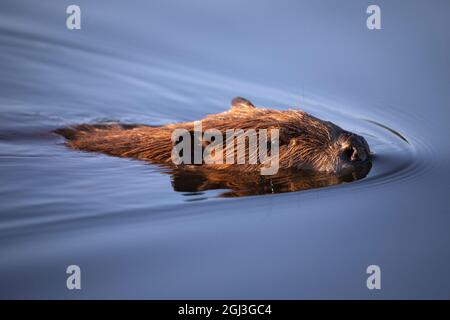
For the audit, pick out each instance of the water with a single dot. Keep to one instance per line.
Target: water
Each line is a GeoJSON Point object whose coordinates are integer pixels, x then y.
{"type": "Point", "coordinates": [133, 229]}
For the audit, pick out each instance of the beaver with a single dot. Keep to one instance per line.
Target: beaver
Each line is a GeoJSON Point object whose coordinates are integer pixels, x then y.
{"type": "Point", "coordinates": [305, 142]}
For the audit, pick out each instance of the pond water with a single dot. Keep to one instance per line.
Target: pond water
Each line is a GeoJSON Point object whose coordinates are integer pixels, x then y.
{"type": "Point", "coordinates": [138, 231]}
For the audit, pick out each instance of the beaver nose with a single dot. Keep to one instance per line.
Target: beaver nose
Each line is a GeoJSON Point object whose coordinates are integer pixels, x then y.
{"type": "Point", "coordinates": [354, 154]}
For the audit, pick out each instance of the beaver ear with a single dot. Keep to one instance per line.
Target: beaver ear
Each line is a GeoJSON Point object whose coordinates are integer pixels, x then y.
{"type": "Point", "coordinates": [239, 103]}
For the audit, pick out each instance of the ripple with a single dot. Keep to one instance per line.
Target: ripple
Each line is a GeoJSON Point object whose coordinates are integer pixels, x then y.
{"type": "Point", "coordinates": [389, 129]}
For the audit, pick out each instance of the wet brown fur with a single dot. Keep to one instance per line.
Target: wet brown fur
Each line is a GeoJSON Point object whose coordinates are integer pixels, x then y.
{"type": "Point", "coordinates": [306, 142]}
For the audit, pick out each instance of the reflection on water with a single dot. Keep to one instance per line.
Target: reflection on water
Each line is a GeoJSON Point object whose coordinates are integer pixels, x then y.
{"type": "Point", "coordinates": [245, 184]}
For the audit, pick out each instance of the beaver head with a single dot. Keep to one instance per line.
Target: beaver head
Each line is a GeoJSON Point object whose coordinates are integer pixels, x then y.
{"type": "Point", "coordinates": [352, 152]}
{"type": "Point", "coordinates": [305, 142]}
{"type": "Point", "coordinates": [324, 146]}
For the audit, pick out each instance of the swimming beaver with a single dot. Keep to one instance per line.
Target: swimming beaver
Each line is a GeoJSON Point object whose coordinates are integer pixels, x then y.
{"type": "Point", "coordinates": [305, 142]}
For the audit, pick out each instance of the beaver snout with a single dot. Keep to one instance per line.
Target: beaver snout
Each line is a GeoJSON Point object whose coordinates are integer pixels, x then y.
{"type": "Point", "coordinates": [355, 154]}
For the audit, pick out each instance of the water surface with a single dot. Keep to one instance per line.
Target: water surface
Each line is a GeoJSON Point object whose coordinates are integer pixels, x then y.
{"type": "Point", "coordinates": [138, 231]}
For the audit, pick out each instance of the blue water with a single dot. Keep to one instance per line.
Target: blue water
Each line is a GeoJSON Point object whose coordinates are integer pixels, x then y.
{"type": "Point", "coordinates": [157, 62]}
